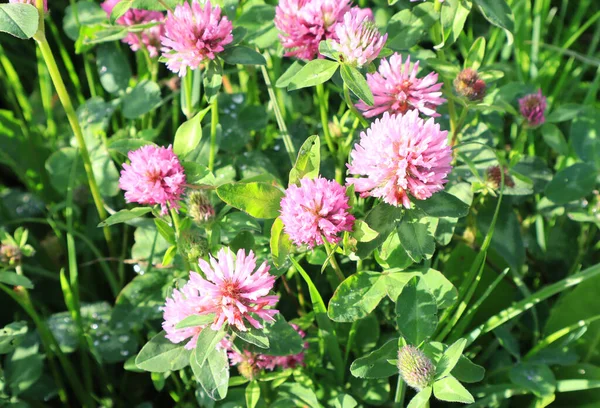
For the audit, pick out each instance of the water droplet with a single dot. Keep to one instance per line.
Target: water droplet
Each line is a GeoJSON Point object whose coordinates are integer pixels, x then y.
{"type": "Point", "coordinates": [105, 337]}
{"type": "Point", "coordinates": [94, 326]}
{"type": "Point", "coordinates": [124, 352]}
{"type": "Point", "coordinates": [124, 338]}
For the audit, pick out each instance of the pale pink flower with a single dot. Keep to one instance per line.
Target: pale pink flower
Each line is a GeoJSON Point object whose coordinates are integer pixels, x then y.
{"type": "Point", "coordinates": [153, 176]}
{"type": "Point", "coordinates": [235, 292]}
{"type": "Point", "coordinates": [401, 155]}
{"type": "Point", "coordinates": [150, 37]}
{"type": "Point", "coordinates": [194, 34]}
{"type": "Point", "coordinates": [317, 208]}
{"type": "Point", "coordinates": [183, 303]}
{"type": "Point", "coordinates": [358, 39]}
{"type": "Point", "coordinates": [32, 2]}
{"type": "Point", "coordinates": [303, 24]}
{"type": "Point", "coordinates": [533, 107]}
{"type": "Point", "coordinates": [396, 89]}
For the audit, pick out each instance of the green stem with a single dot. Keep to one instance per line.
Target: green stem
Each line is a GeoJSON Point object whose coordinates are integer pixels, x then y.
{"type": "Point", "coordinates": [176, 225]}
{"type": "Point", "coordinates": [214, 121]}
{"type": "Point", "coordinates": [459, 124]}
{"type": "Point", "coordinates": [400, 393]}
{"type": "Point", "coordinates": [333, 261]}
{"type": "Point", "coordinates": [285, 135]}
{"type": "Point", "coordinates": [323, 110]}
{"type": "Point", "coordinates": [50, 344]}
{"type": "Point", "coordinates": [188, 84]}
{"type": "Point", "coordinates": [65, 99]}
{"type": "Point", "coordinates": [352, 108]}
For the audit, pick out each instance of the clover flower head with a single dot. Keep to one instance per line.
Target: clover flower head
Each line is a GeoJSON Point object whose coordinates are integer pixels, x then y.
{"type": "Point", "coordinates": [396, 89]}
{"type": "Point", "coordinates": [303, 24]}
{"type": "Point", "coordinates": [153, 176]}
{"type": "Point", "coordinates": [358, 40]}
{"type": "Point", "coordinates": [401, 155]}
{"type": "Point", "coordinates": [533, 108]}
{"type": "Point", "coordinates": [317, 208]}
{"type": "Point", "coordinates": [194, 34]}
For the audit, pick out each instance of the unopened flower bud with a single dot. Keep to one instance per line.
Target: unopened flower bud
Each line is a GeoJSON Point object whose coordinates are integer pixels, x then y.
{"type": "Point", "coordinates": [10, 255]}
{"type": "Point", "coordinates": [415, 367]}
{"type": "Point", "coordinates": [469, 85]}
{"type": "Point", "coordinates": [533, 108]}
{"type": "Point", "coordinates": [192, 246]}
{"type": "Point", "coordinates": [248, 370]}
{"type": "Point", "coordinates": [200, 208]}
{"type": "Point", "coordinates": [494, 177]}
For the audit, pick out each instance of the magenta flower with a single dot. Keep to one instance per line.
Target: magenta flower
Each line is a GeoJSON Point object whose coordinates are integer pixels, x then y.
{"type": "Point", "coordinates": [358, 40]}
{"type": "Point", "coordinates": [303, 24]}
{"type": "Point", "coordinates": [234, 291]}
{"type": "Point", "coordinates": [194, 34]}
{"type": "Point", "coordinates": [153, 176]}
{"type": "Point", "coordinates": [400, 155]}
{"type": "Point", "coordinates": [150, 37]}
{"type": "Point", "coordinates": [396, 89]}
{"type": "Point", "coordinates": [32, 2]}
{"type": "Point", "coordinates": [533, 107]}
{"type": "Point", "coordinates": [317, 208]}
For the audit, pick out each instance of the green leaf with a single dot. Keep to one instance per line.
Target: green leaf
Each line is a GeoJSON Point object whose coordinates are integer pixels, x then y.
{"type": "Point", "coordinates": [537, 378]}
{"type": "Point", "coordinates": [416, 312]}
{"type": "Point", "coordinates": [288, 75]}
{"type": "Point", "coordinates": [19, 20]}
{"type": "Point", "coordinates": [166, 231]}
{"type": "Point", "coordinates": [344, 401]}
{"type": "Point", "coordinates": [196, 320]}
{"type": "Point", "coordinates": [124, 216]}
{"type": "Point", "coordinates": [554, 138]}
{"type": "Point", "coordinates": [376, 364]}
{"type": "Point", "coordinates": [572, 183]}
{"type": "Point", "coordinates": [188, 135]}
{"type": "Point", "coordinates": [421, 399]}
{"type": "Point", "coordinates": [357, 296]}
{"type": "Point", "coordinates": [443, 204]}
{"type": "Point", "coordinates": [13, 279]}
{"type": "Point", "coordinates": [467, 371]}
{"type": "Point", "coordinates": [11, 335]}
{"type": "Point", "coordinates": [314, 73]}
{"type": "Point", "coordinates": [301, 395]}
{"type": "Point", "coordinates": [213, 375]}
{"type": "Point", "coordinates": [160, 355]}
{"type": "Point", "coordinates": [308, 161]}
{"type": "Point", "coordinates": [59, 166]}
{"type": "Point", "coordinates": [124, 146]}
{"type": "Point", "coordinates": [113, 69]}
{"type": "Point", "coordinates": [144, 97]}
{"type": "Point", "coordinates": [450, 358]}
{"type": "Point", "coordinates": [498, 13]}
{"type": "Point", "coordinates": [87, 14]}
{"type": "Point", "coordinates": [362, 232]}
{"type": "Point", "coordinates": [199, 174]}
{"type": "Point", "coordinates": [449, 389]}
{"type": "Point", "coordinates": [453, 18]}
{"type": "Point", "coordinates": [283, 339]}
{"type": "Point", "coordinates": [476, 54]}
{"type": "Point", "coordinates": [585, 136]}
{"type": "Point", "coordinates": [357, 83]}
{"type": "Point", "coordinates": [280, 243]}
{"type": "Point", "coordinates": [242, 55]}
{"type": "Point", "coordinates": [416, 239]}
{"type": "Point", "coordinates": [382, 218]}
{"type": "Point", "coordinates": [407, 27]}
{"type": "Point", "coordinates": [260, 200]}
{"type": "Point", "coordinates": [252, 394]}
{"type": "Point", "coordinates": [212, 80]}
{"type": "Point", "coordinates": [253, 336]}
{"type": "Point", "coordinates": [207, 342]}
